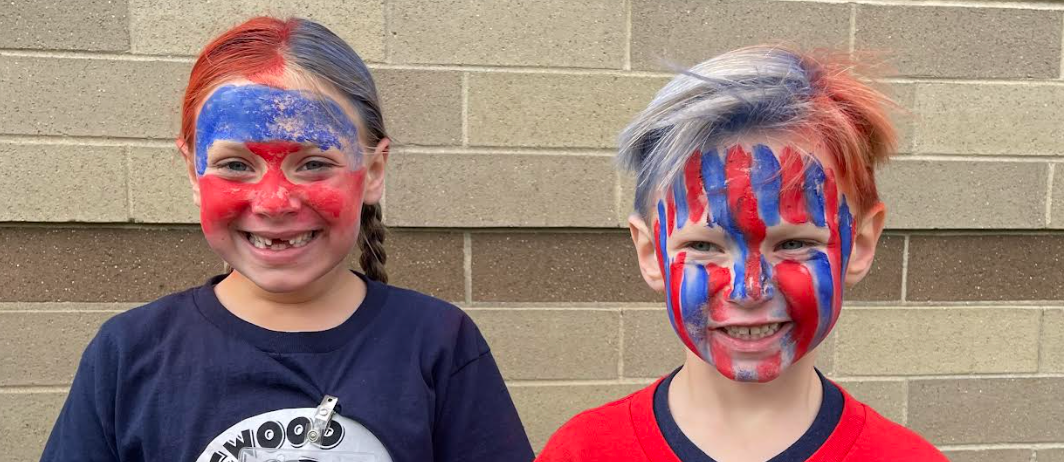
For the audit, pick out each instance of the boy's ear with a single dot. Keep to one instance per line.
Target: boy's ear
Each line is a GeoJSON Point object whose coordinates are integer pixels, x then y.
{"type": "Point", "coordinates": [646, 253]}
{"type": "Point", "coordinates": [864, 243]}
{"type": "Point", "coordinates": [375, 172]}
{"type": "Point", "coordinates": [190, 164]}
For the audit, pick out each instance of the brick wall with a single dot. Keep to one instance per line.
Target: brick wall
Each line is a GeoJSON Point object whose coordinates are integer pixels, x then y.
{"type": "Point", "coordinates": [503, 198]}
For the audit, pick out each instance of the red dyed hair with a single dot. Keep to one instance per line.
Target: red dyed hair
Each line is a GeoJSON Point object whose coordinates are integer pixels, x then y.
{"type": "Point", "coordinates": [253, 50]}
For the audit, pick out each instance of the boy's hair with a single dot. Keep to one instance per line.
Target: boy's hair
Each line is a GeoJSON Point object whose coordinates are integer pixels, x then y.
{"type": "Point", "coordinates": [761, 89]}
{"type": "Point", "coordinates": [263, 46]}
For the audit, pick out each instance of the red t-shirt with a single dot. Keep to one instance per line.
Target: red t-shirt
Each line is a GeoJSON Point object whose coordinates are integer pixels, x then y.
{"type": "Point", "coordinates": [626, 430]}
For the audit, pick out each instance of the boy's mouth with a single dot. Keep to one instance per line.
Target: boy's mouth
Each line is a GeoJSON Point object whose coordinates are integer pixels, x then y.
{"type": "Point", "coordinates": [296, 241]}
{"type": "Point", "coordinates": [753, 332]}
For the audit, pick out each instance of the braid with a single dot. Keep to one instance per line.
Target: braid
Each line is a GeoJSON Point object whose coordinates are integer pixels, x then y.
{"type": "Point", "coordinates": [371, 244]}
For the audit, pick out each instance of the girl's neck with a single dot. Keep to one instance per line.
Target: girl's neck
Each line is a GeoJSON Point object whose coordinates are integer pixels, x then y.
{"type": "Point", "coordinates": [321, 305]}
{"type": "Point", "coordinates": [732, 420]}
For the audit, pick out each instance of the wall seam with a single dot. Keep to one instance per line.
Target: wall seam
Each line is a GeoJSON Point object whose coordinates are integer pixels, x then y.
{"type": "Point", "coordinates": [129, 184]}
{"type": "Point", "coordinates": [620, 344]}
{"type": "Point", "coordinates": [853, 28]}
{"type": "Point", "coordinates": [1062, 49]}
{"type": "Point", "coordinates": [1041, 340]}
{"type": "Point", "coordinates": [1006, 5]}
{"type": "Point", "coordinates": [386, 13]}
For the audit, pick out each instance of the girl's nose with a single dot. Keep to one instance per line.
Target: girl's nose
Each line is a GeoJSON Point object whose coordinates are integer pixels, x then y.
{"type": "Point", "coordinates": [276, 201]}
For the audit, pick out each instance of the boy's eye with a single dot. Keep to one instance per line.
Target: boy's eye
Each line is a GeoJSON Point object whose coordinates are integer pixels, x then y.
{"type": "Point", "coordinates": [792, 244]}
{"type": "Point", "coordinates": [702, 246]}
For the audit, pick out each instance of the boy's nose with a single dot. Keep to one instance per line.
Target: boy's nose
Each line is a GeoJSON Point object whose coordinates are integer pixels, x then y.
{"type": "Point", "coordinates": [752, 283]}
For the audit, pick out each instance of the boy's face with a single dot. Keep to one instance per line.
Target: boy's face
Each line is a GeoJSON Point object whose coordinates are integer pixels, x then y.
{"type": "Point", "coordinates": [752, 244]}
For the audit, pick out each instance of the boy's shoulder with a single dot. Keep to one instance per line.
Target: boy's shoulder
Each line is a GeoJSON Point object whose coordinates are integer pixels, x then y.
{"type": "Point", "coordinates": [885, 440]}
{"type": "Point", "coordinates": [616, 431]}
{"type": "Point", "coordinates": [880, 439]}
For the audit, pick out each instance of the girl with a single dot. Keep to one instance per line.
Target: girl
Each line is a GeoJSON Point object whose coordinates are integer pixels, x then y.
{"type": "Point", "coordinates": [289, 354]}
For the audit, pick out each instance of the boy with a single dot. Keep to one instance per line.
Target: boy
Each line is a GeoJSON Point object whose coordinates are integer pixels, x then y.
{"type": "Point", "coordinates": [755, 204]}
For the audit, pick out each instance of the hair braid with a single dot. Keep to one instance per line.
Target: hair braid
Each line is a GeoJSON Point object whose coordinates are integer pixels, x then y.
{"type": "Point", "coordinates": [371, 244]}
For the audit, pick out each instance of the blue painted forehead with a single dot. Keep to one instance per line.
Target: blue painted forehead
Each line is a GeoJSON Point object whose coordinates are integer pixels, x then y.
{"type": "Point", "coordinates": [258, 113]}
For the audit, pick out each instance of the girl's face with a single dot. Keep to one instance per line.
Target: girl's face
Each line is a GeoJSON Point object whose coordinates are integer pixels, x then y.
{"type": "Point", "coordinates": [280, 180]}
{"type": "Point", "coordinates": [753, 243]}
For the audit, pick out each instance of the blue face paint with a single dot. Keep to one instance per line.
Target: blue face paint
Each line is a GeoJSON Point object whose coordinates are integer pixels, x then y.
{"type": "Point", "coordinates": [814, 193]}
{"type": "Point", "coordinates": [713, 174]}
{"type": "Point", "coordinates": [260, 113]}
{"type": "Point", "coordinates": [766, 179]}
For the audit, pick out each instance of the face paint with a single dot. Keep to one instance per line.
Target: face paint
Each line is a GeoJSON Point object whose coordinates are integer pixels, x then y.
{"type": "Point", "coordinates": [753, 246]}
{"type": "Point", "coordinates": [281, 199]}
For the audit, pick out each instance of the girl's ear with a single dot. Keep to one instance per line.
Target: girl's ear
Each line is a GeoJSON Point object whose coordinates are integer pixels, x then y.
{"type": "Point", "coordinates": [646, 253]}
{"type": "Point", "coordinates": [375, 172]}
{"type": "Point", "coordinates": [190, 164]}
{"type": "Point", "coordinates": [864, 243]}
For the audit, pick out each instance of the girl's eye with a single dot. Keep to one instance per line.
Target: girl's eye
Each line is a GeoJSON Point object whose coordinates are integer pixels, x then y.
{"type": "Point", "coordinates": [236, 166]}
{"type": "Point", "coordinates": [314, 165]}
{"type": "Point", "coordinates": [792, 244]}
{"type": "Point", "coordinates": [702, 246]}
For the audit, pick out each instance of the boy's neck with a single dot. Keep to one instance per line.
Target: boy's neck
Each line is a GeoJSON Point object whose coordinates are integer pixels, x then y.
{"type": "Point", "coordinates": [323, 304]}
{"type": "Point", "coordinates": [737, 421]}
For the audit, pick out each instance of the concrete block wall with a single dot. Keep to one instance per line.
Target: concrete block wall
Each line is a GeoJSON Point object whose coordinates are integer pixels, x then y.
{"type": "Point", "coordinates": [503, 198]}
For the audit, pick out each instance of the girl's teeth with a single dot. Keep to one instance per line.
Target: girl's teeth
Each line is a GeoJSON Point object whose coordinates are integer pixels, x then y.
{"type": "Point", "coordinates": [752, 333]}
{"type": "Point", "coordinates": [267, 243]}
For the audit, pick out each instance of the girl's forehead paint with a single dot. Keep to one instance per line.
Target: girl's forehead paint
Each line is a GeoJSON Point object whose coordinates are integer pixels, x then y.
{"type": "Point", "coordinates": [257, 113]}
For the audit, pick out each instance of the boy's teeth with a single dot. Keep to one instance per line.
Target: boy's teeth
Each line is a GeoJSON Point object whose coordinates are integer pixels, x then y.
{"type": "Point", "coordinates": [752, 333]}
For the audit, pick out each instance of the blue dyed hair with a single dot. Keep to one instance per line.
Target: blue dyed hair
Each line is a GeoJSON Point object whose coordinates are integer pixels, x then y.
{"type": "Point", "coordinates": [761, 89]}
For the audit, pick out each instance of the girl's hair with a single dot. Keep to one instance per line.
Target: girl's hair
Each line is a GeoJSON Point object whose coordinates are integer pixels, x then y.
{"type": "Point", "coordinates": [264, 47]}
{"type": "Point", "coordinates": [761, 89]}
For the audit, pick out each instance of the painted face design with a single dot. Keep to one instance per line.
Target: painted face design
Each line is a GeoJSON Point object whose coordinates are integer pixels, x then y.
{"type": "Point", "coordinates": [281, 182]}
{"type": "Point", "coordinates": [753, 246]}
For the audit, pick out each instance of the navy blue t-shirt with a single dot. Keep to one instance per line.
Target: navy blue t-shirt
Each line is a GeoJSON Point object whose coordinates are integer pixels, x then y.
{"type": "Point", "coordinates": [827, 418]}
{"type": "Point", "coordinates": [183, 379]}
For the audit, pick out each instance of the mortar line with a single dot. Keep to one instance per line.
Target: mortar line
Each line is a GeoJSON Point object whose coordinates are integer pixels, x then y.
{"type": "Point", "coordinates": [628, 35]}
{"type": "Point", "coordinates": [100, 55]}
{"type": "Point", "coordinates": [586, 382]}
{"type": "Point", "coordinates": [28, 389]}
{"type": "Point", "coordinates": [104, 141]}
{"type": "Point", "coordinates": [905, 404]}
{"type": "Point", "coordinates": [1041, 339]}
{"type": "Point", "coordinates": [991, 446]}
{"type": "Point", "coordinates": [618, 198]}
{"type": "Point", "coordinates": [905, 269]}
{"type": "Point", "coordinates": [1049, 193]}
{"type": "Point", "coordinates": [465, 109]}
{"type": "Point", "coordinates": [467, 266]}
{"type": "Point", "coordinates": [1015, 5]}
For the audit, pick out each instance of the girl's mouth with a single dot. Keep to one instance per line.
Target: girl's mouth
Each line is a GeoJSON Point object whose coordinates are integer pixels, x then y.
{"type": "Point", "coordinates": [297, 241]}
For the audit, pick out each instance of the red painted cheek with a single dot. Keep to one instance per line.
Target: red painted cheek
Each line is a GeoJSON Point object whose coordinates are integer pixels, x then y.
{"type": "Point", "coordinates": [338, 200]}
{"type": "Point", "coordinates": [770, 368]}
{"type": "Point", "coordinates": [719, 285]}
{"type": "Point", "coordinates": [796, 284]}
{"type": "Point", "coordinates": [221, 201]}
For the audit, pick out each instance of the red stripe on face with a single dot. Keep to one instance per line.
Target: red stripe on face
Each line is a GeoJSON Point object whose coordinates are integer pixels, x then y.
{"type": "Point", "coordinates": [795, 282]}
{"type": "Point", "coordinates": [719, 283]}
{"type": "Point", "coordinates": [792, 197]}
{"type": "Point", "coordinates": [670, 214]}
{"type": "Point", "coordinates": [721, 359]}
{"type": "Point", "coordinates": [676, 282]}
{"type": "Point", "coordinates": [273, 151]}
{"type": "Point", "coordinates": [743, 205]}
{"type": "Point", "coordinates": [770, 367]}
{"type": "Point", "coordinates": [696, 191]}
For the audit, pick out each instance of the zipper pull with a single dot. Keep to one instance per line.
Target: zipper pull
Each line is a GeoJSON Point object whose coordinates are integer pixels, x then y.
{"type": "Point", "coordinates": [323, 416]}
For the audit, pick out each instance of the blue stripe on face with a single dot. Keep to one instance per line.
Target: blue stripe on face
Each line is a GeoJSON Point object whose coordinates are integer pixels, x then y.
{"type": "Point", "coordinates": [694, 294]}
{"type": "Point", "coordinates": [766, 182]}
{"type": "Point", "coordinates": [714, 177]}
{"type": "Point", "coordinates": [679, 197]}
{"type": "Point", "coordinates": [845, 234]}
{"type": "Point", "coordinates": [663, 235]}
{"type": "Point", "coordinates": [259, 113]}
{"type": "Point", "coordinates": [820, 266]}
{"type": "Point", "coordinates": [814, 193]}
